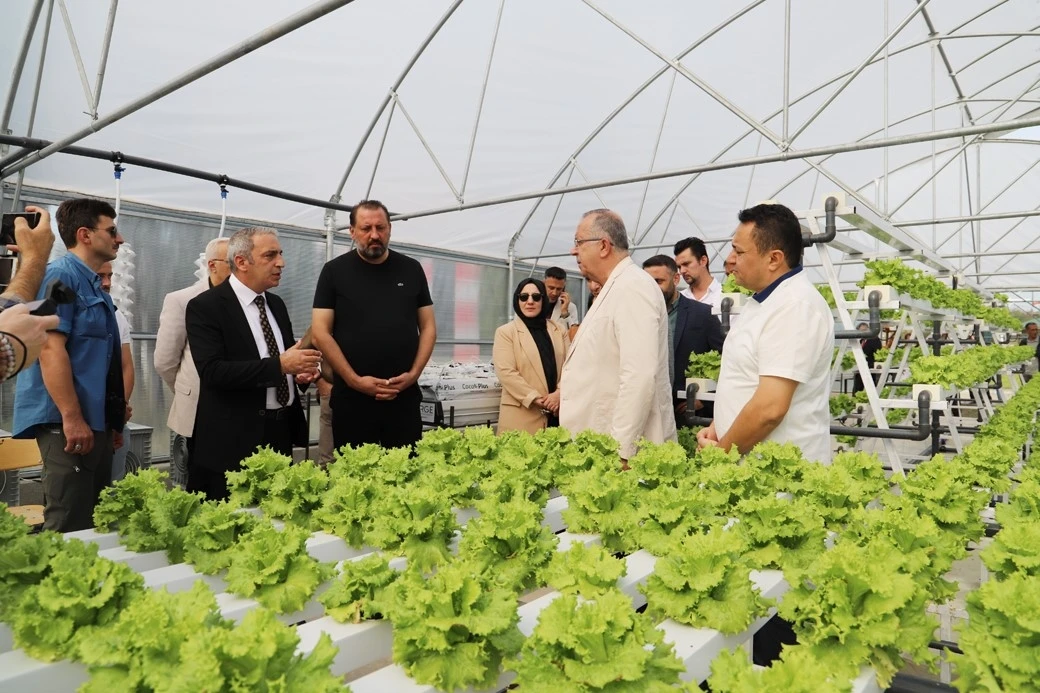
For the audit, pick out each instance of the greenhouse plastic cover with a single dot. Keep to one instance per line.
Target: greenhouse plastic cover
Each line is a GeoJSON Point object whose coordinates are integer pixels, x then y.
{"type": "Point", "coordinates": [544, 76]}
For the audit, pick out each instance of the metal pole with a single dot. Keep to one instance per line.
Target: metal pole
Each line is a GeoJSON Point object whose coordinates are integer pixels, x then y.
{"type": "Point", "coordinates": [390, 95]}
{"type": "Point", "coordinates": [36, 97]}
{"type": "Point", "coordinates": [862, 66]}
{"type": "Point", "coordinates": [509, 287]}
{"type": "Point", "coordinates": [31, 143]}
{"type": "Point", "coordinates": [694, 79]}
{"type": "Point", "coordinates": [884, 115]}
{"type": "Point", "coordinates": [19, 65]}
{"type": "Point", "coordinates": [262, 38]}
{"type": "Point", "coordinates": [480, 101]}
{"type": "Point", "coordinates": [632, 97]}
{"type": "Point", "coordinates": [965, 219]}
{"type": "Point", "coordinates": [105, 45]}
{"type": "Point", "coordinates": [653, 157]}
{"type": "Point", "coordinates": [379, 152]}
{"type": "Point", "coordinates": [330, 234]}
{"type": "Point", "coordinates": [426, 146]}
{"type": "Point", "coordinates": [787, 69]}
{"type": "Point", "coordinates": [78, 57]}
{"type": "Point", "coordinates": [791, 155]}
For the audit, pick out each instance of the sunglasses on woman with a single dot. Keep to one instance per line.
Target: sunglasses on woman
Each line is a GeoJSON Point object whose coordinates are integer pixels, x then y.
{"type": "Point", "coordinates": [534, 297]}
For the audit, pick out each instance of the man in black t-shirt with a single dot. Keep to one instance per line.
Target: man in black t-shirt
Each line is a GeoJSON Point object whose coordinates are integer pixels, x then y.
{"type": "Point", "coordinates": [373, 321]}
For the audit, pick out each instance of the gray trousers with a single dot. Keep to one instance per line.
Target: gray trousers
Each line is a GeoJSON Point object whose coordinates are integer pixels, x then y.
{"type": "Point", "coordinates": [72, 483]}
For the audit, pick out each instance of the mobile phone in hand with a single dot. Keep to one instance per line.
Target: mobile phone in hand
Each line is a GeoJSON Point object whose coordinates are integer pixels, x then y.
{"type": "Point", "coordinates": [7, 225]}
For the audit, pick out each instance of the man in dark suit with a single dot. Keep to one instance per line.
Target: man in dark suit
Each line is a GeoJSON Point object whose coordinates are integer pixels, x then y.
{"type": "Point", "coordinates": [250, 368]}
{"type": "Point", "coordinates": [692, 327]}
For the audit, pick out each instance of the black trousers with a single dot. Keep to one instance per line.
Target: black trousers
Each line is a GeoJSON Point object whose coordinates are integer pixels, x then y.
{"type": "Point", "coordinates": [357, 420]}
{"type": "Point", "coordinates": [213, 483]}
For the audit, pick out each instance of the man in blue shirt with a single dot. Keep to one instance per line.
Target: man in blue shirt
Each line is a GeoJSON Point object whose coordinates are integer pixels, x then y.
{"type": "Point", "coordinates": [67, 400]}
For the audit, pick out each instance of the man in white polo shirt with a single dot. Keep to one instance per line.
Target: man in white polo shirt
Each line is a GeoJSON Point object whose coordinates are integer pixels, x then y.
{"type": "Point", "coordinates": [775, 378]}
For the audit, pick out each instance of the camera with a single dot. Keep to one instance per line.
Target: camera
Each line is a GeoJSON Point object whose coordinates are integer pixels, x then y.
{"type": "Point", "coordinates": [56, 294]}
{"type": "Point", "coordinates": [7, 225]}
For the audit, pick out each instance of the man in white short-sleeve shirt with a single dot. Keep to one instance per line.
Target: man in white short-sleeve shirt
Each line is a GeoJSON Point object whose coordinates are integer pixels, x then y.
{"type": "Point", "coordinates": [775, 378]}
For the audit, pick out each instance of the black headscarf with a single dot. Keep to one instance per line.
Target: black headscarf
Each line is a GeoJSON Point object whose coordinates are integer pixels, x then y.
{"type": "Point", "coordinates": [539, 329]}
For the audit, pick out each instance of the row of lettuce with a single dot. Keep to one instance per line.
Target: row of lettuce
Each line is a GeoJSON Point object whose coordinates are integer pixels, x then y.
{"type": "Point", "coordinates": [1002, 636]}
{"type": "Point", "coordinates": [454, 614]}
{"type": "Point", "coordinates": [916, 284]}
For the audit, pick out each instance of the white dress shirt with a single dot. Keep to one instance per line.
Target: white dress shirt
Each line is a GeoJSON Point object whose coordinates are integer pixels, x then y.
{"type": "Point", "coordinates": [713, 297]}
{"type": "Point", "coordinates": [246, 298]}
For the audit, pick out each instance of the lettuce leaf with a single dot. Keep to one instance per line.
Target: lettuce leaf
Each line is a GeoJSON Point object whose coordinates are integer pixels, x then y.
{"type": "Point", "coordinates": [274, 568]}
{"type": "Point", "coordinates": [596, 644]}
{"type": "Point", "coordinates": [452, 629]}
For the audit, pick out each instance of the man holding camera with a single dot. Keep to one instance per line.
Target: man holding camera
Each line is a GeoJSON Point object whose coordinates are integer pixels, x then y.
{"type": "Point", "coordinates": [72, 400]}
{"type": "Point", "coordinates": [20, 331]}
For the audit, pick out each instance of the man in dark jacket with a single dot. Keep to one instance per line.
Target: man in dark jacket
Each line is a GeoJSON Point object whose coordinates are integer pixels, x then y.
{"type": "Point", "coordinates": [250, 368]}
{"type": "Point", "coordinates": [692, 327]}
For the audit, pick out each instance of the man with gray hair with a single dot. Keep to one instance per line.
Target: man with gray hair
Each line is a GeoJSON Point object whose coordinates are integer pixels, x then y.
{"type": "Point", "coordinates": [250, 368]}
{"type": "Point", "coordinates": [173, 360]}
{"type": "Point", "coordinates": [615, 377]}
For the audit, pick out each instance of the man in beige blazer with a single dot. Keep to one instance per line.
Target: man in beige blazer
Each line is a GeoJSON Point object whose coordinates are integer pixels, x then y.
{"type": "Point", "coordinates": [615, 377]}
{"type": "Point", "coordinates": [173, 360]}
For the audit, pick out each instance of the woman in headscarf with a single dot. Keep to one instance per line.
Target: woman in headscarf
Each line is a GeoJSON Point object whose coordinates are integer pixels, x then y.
{"type": "Point", "coordinates": [528, 356]}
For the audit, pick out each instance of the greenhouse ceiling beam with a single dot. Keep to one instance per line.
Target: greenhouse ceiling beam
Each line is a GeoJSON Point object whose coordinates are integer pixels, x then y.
{"type": "Point", "coordinates": [715, 30]}
{"type": "Point", "coordinates": [811, 92]}
{"type": "Point", "coordinates": [1001, 274]}
{"type": "Point", "coordinates": [692, 78]}
{"type": "Point", "coordinates": [921, 4]}
{"type": "Point", "coordinates": [390, 96]}
{"type": "Point", "coordinates": [41, 62]}
{"type": "Point", "coordinates": [24, 158]}
{"type": "Point", "coordinates": [219, 178]}
{"type": "Point", "coordinates": [624, 104]}
{"type": "Point", "coordinates": [106, 44]}
{"type": "Point", "coordinates": [901, 121]}
{"type": "Point", "coordinates": [973, 217]}
{"type": "Point", "coordinates": [1008, 261]}
{"type": "Point", "coordinates": [480, 101]}
{"type": "Point", "coordinates": [19, 65]}
{"type": "Point", "coordinates": [991, 201]}
{"type": "Point", "coordinates": [950, 72]}
{"type": "Point", "coordinates": [791, 155]}
{"type": "Point", "coordinates": [78, 57]}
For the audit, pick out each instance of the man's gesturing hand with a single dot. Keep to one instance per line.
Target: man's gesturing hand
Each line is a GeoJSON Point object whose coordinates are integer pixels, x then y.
{"type": "Point", "coordinates": [295, 360]}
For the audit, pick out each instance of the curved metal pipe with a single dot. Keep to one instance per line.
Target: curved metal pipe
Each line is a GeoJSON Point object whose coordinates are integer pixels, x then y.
{"type": "Point", "coordinates": [923, 431]}
{"type": "Point", "coordinates": [691, 418]}
{"type": "Point", "coordinates": [724, 309]}
{"type": "Point", "coordinates": [830, 228]}
{"type": "Point", "coordinates": [874, 307]}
